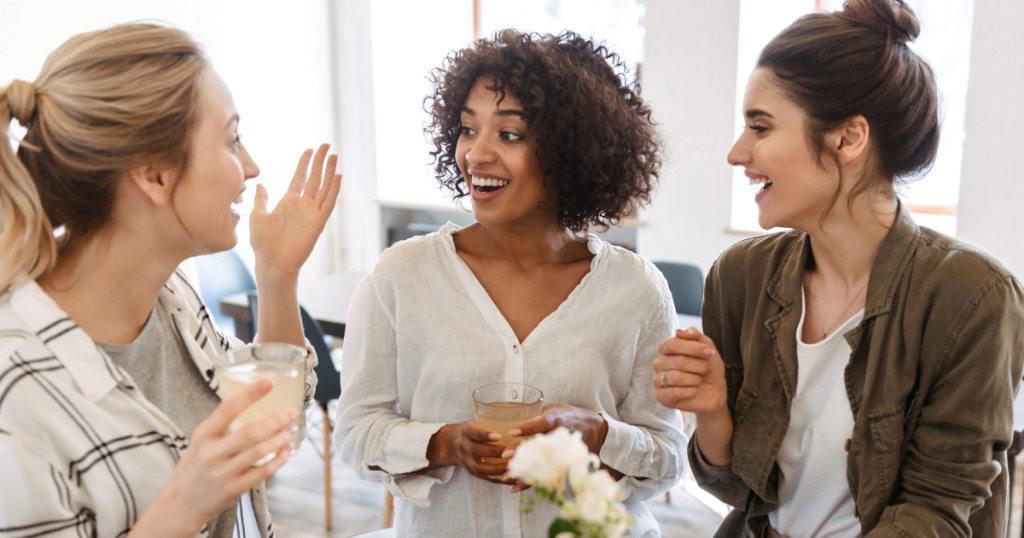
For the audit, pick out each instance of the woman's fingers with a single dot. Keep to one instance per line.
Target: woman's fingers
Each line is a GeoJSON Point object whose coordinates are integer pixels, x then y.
{"type": "Point", "coordinates": [280, 439]}
{"type": "Point", "coordinates": [681, 363]}
{"type": "Point", "coordinates": [680, 346]}
{"type": "Point", "coordinates": [332, 167]}
{"type": "Point", "coordinates": [330, 197]}
{"type": "Point", "coordinates": [258, 432]}
{"type": "Point", "coordinates": [256, 475]}
{"type": "Point", "coordinates": [300, 172]}
{"type": "Point", "coordinates": [542, 423]}
{"type": "Point", "coordinates": [474, 432]}
{"type": "Point", "coordinates": [676, 378]}
{"type": "Point", "coordinates": [217, 423]}
{"type": "Point", "coordinates": [316, 173]}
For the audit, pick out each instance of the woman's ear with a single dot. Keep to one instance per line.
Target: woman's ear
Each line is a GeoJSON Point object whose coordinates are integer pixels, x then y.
{"type": "Point", "coordinates": [850, 140]}
{"type": "Point", "coordinates": [153, 182]}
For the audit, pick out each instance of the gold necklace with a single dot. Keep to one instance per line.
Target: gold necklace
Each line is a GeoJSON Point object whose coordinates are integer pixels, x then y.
{"type": "Point", "coordinates": [817, 310]}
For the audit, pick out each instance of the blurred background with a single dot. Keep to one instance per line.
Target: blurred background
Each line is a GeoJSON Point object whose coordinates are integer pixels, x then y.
{"type": "Point", "coordinates": [354, 73]}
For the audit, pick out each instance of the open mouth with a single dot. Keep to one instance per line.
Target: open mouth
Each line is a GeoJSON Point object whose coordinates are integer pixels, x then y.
{"type": "Point", "coordinates": [485, 184]}
{"type": "Point", "coordinates": [763, 181]}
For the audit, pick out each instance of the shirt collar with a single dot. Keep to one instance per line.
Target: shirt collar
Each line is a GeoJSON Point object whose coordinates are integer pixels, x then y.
{"type": "Point", "coordinates": [893, 257]}
{"type": "Point", "coordinates": [91, 371]}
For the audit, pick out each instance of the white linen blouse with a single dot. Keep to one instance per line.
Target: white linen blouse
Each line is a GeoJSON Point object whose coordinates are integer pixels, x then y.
{"type": "Point", "coordinates": [423, 334]}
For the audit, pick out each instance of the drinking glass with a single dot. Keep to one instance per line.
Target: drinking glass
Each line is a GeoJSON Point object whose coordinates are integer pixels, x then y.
{"type": "Point", "coordinates": [283, 363]}
{"type": "Point", "coordinates": [502, 406]}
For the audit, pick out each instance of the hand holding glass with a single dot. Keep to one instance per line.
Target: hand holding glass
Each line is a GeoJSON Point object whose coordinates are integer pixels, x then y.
{"type": "Point", "coordinates": [282, 363]}
{"type": "Point", "coordinates": [503, 406]}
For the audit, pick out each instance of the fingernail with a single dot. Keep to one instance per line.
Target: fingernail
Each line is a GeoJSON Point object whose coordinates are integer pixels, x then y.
{"type": "Point", "coordinates": [264, 384]}
{"type": "Point", "coordinates": [494, 437]}
{"type": "Point", "coordinates": [292, 416]}
{"type": "Point", "coordinates": [515, 433]}
{"type": "Point", "coordinates": [507, 454]}
{"type": "Point", "coordinates": [708, 352]}
{"type": "Point", "coordinates": [294, 429]}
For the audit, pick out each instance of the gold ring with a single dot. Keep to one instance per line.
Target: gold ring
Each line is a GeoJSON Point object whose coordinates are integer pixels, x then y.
{"type": "Point", "coordinates": [664, 385]}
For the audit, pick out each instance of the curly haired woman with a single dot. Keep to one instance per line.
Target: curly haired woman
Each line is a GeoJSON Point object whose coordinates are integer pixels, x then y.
{"type": "Point", "coordinates": [547, 140]}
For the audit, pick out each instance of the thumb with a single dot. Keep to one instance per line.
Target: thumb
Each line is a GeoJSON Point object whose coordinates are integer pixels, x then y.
{"type": "Point", "coordinates": [260, 205]}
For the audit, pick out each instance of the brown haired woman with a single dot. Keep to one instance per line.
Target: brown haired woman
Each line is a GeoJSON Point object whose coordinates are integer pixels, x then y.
{"type": "Point", "coordinates": [857, 373]}
{"type": "Point", "coordinates": [548, 141]}
{"type": "Point", "coordinates": [106, 351]}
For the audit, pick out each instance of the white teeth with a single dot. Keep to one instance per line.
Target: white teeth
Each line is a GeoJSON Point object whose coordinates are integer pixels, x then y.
{"type": "Point", "coordinates": [758, 181]}
{"type": "Point", "coordinates": [489, 182]}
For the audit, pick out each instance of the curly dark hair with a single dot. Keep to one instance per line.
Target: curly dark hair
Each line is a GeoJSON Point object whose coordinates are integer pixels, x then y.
{"type": "Point", "coordinates": [594, 134]}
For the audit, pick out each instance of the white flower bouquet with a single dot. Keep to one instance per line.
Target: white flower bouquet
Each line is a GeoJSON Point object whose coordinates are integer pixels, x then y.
{"type": "Point", "coordinates": [549, 462]}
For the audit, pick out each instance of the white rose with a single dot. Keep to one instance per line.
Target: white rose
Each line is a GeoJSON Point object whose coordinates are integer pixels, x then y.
{"type": "Point", "coordinates": [547, 460]}
{"type": "Point", "coordinates": [595, 494]}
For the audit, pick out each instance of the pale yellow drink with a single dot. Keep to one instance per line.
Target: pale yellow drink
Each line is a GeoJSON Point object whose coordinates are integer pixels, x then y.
{"type": "Point", "coordinates": [281, 363]}
{"type": "Point", "coordinates": [504, 417]}
{"type": "Point", "coordinates": [500, 407]}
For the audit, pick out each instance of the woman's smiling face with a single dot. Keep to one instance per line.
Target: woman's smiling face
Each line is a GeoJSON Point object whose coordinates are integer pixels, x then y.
{"type": "Point", "coordinates": [497, 155]}
{"type": "Point", "coordinates": [776, 153]}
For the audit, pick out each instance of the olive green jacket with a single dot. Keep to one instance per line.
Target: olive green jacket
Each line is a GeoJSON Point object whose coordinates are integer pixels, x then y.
{"type": "Point", "coordinates": [931, 380]}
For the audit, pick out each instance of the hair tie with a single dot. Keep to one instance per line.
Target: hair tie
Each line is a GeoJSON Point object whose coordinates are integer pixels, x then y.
{"type": "Point", "coordinates": [21, 99]}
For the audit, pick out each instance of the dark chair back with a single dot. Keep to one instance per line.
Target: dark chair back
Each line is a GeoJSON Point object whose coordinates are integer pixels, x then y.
{"type": "Point", "coordinates": [686, 282]}
{"type": "Point", "coordinates": [222, 274]}
{"type": "Point", "coordinates": [328, 385]}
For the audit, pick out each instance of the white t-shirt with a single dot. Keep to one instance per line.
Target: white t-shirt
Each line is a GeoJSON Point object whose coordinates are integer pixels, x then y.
{"type": "Point", "coordinates": [814, 495]}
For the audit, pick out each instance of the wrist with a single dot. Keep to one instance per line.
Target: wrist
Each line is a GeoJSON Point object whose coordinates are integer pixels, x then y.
{"type": "Point", "coordinates": [437, 448]}
{"type": "Point", "coordinates": [271, 274]}
{"type": "Point", "coordinates": [600, 429]}
{"type": "Point", "coordinates": [169, 516]}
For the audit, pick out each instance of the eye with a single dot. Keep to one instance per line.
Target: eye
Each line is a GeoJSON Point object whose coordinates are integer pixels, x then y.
{"type": "Point", "coordinates": [509, 136]}
{"type": "Point", "coordinates": [236, 141]}
{"type": "Point", "coordinates": [759, 129]}
{"type": "Point", "coordinates": [466, 131]}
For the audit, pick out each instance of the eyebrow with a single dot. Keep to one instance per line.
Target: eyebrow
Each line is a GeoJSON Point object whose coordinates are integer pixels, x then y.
{"type": "Point", "coordinates": [506, 112]}
{"type": "Point", "coordinates": [756, 112]}
{"type": "Point", "coordinates": [232, 119]}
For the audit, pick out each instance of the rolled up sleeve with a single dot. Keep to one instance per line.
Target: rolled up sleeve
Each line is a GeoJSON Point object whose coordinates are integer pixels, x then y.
{"type": "Point", "coordinates": [645, 441]}
{"type": "Point", "coordinates": [379, 443]}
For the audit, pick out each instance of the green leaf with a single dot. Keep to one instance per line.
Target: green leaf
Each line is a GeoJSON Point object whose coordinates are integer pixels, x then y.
{"type": "Point", "coordinates": [561, 525]}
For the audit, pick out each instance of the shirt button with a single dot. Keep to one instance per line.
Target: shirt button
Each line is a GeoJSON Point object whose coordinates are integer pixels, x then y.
{"type": "Point", "coordinates": [387, 479]}
{"type": "Point", "coordinates": [515, 348]}
{"type": "Point", "coordinates": [511, 494]}
{"type": "Point", "coordinates": [847, 445]}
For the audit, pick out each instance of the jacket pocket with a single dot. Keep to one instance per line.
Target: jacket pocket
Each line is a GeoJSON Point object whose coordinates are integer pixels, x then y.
{"type": "Point", "coordinates": [744, 400]}
{"type": "Point", "coordinates": [887, 428]}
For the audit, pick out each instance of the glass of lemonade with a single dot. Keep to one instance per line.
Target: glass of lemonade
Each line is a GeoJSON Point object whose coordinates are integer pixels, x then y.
{"type": "Point", "coordinates": [503, 406]}
{"type": "Point", "coordinates": [282, 363]}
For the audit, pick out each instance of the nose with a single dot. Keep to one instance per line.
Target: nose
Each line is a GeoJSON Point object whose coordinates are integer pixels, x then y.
{"type": "Point", "coordinates": [480, 152]}
{"type": "Point", "coordinates": [740, 154]}
{"type": "Point", "coordinates": [249, 167]}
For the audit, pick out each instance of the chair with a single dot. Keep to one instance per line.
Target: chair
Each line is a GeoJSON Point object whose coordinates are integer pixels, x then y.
{"type": "Point", "coordinates": [328, 387]}
{"type": "Point", "coordinates": [222, 274]}
{"type": "Point", "coordinates": [686, 282]}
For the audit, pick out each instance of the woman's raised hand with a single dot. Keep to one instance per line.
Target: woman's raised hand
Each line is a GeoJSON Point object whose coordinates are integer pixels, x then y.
{"type": "Point", "coordinates": [689, 374]}
{"type": "Point", "coordinates": [216, 468]}
{"type": "Point", "coordinates": [284, 237]}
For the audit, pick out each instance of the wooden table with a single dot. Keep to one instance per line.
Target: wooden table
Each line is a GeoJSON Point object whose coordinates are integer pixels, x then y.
{"type": "Point", "coordinates": [326, 299]}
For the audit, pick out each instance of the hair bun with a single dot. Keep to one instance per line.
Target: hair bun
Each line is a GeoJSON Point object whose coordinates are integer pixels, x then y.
{"type": "Point", "coordinates": [21, 99]}
{"type": "Point", "coordinates": [892, 18]}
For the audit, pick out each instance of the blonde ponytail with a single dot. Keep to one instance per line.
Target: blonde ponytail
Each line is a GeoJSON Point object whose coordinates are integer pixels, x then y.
{"type": "Point", "coordinates": [104, 102]}
{"type": "Point", "coordinates": [27, 246]}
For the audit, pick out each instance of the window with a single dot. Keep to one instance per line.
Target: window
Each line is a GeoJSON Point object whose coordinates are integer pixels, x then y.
{"type": "Point", "coordinates": [945, 42]}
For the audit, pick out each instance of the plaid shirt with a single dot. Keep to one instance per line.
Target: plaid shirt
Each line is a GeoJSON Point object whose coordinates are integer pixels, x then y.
{"type": "Point", "coordinates": [82, 451]}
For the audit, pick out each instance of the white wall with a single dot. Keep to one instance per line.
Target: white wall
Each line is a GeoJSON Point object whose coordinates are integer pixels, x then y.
{"type": "Point", "coordinates": [274, 58]}
{"type": "Point", "coordinates": [991, 212]}
{"type": "Point", "coordinates": [689, 77]}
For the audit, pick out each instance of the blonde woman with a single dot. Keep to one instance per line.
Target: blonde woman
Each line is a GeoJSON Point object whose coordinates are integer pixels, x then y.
{"type": "Point", "coordinates": [109, 420]}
